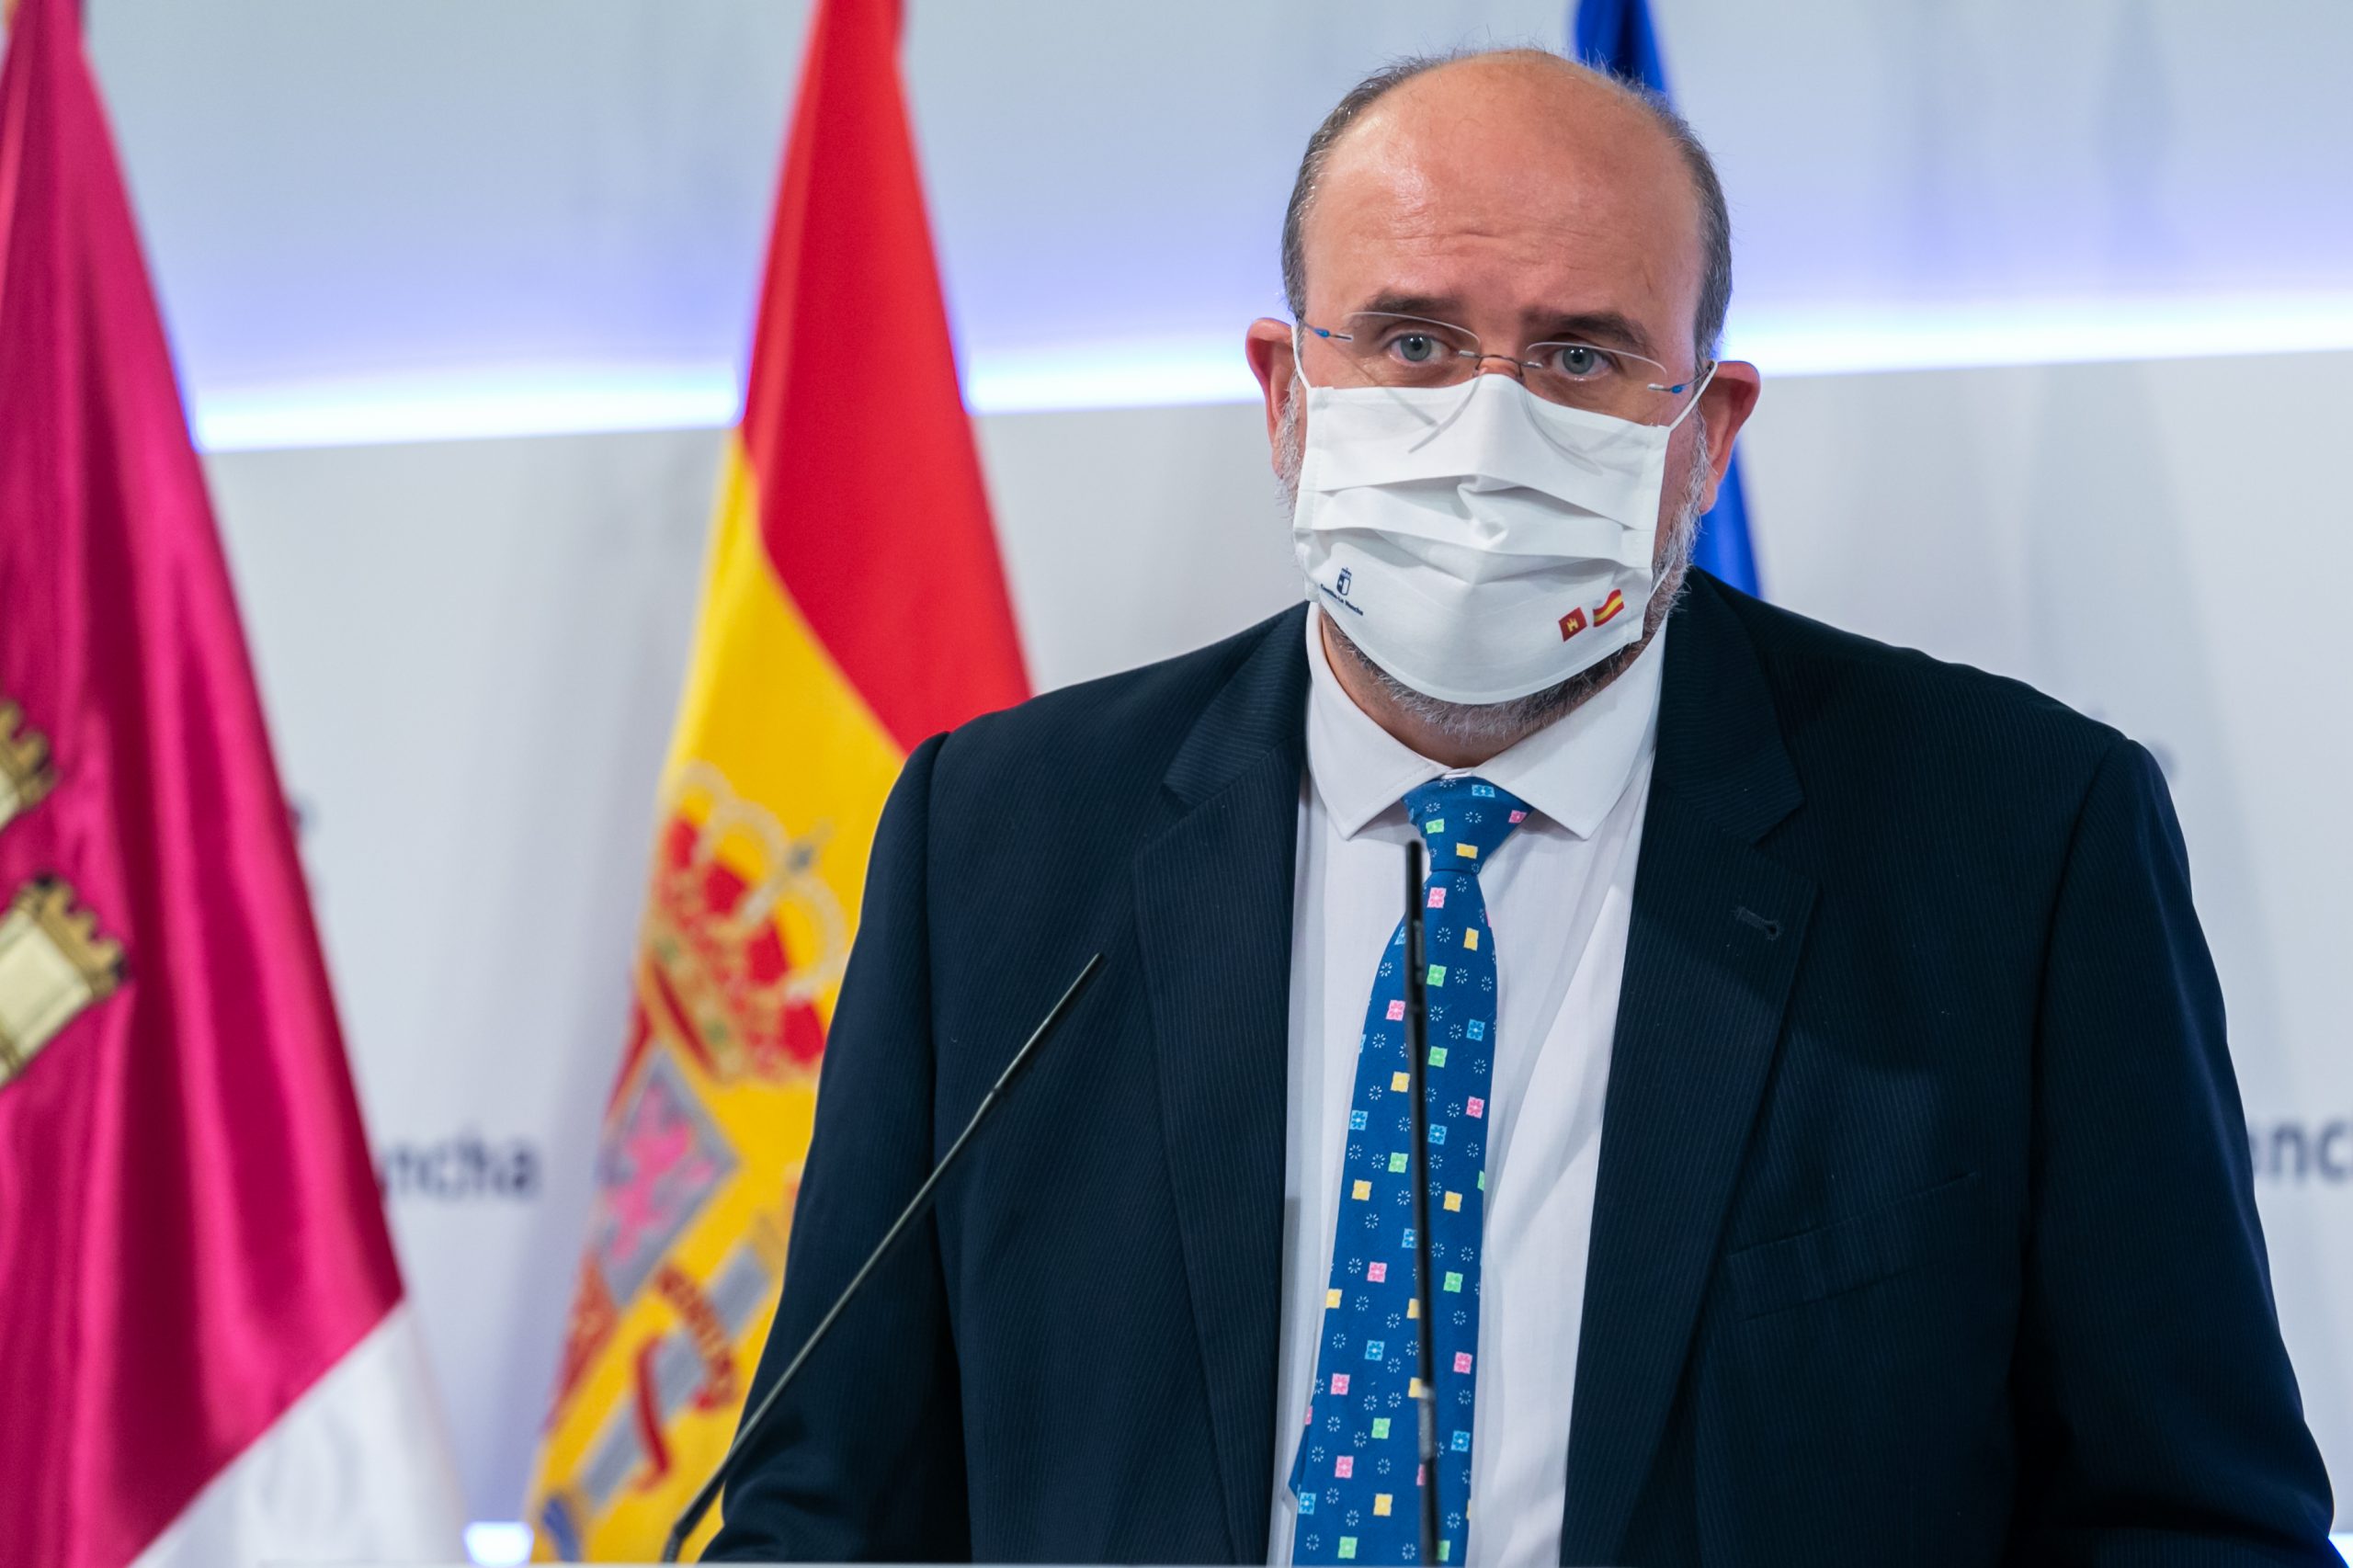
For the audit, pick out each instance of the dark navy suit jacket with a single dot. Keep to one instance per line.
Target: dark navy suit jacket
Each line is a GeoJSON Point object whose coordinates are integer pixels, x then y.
{"type": "Point", "coordinates": [1924, 1234]}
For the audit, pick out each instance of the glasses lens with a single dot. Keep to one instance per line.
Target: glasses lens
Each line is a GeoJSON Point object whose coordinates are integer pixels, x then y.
{"type": "Point", "coordinates": [1407, 351]}
{"type": "Point", "coordinates": [1601, 381]}
{"type": "Point", "coordinates": [1384, 350]}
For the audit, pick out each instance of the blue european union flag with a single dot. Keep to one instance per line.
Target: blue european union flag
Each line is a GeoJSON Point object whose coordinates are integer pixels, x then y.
{"type": "Point", "coordinates": [1616, 35]}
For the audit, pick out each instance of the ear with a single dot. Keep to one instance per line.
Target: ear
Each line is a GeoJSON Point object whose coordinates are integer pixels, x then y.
{"type": "Point", "coordinates": [1268, 347]}
{"type": "Point", "coordinates": [1730, 398]}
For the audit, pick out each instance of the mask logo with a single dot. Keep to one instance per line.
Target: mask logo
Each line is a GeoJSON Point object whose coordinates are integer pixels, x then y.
{"type": "Point", "coordinates": [1482, 532]}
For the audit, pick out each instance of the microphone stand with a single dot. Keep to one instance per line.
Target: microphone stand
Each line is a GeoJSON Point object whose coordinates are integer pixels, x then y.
{"type": "Point", "coordinates": [916, 1207]}
{"type": "Point", "coordinates": [1416, 1027]}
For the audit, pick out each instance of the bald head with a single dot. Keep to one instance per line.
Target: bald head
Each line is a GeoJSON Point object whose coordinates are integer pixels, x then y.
{"type": "Point", "coordinates": [1544, 160]}
{"type": "Point", "coordinates": [1557, 218]}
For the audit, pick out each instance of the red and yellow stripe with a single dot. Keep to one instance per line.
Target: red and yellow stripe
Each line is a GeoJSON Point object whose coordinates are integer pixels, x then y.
{"type": "Point", "coordinates": [854, 605]}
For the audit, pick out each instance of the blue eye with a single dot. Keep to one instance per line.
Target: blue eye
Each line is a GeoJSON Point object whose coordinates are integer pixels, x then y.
{"type": "Point", "coordinates": [1417, 348]}
{"type": "Point", "coordinates": [1578, 362]}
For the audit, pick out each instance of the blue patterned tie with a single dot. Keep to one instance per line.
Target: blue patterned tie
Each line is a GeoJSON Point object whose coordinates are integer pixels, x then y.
{"type": "Point", "coordinates": [1356, 1474]}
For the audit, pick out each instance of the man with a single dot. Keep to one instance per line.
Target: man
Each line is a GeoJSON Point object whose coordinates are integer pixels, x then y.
{"type": "Point", "coordinates": [1833, 1150]}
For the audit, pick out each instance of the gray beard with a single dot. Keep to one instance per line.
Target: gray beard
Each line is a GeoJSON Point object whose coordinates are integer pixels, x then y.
{"type": "Point", "coordinates": [1491, 726]}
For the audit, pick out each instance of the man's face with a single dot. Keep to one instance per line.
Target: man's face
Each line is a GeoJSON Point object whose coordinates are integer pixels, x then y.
{"type": "Point", "coordinates": [1525, 202]}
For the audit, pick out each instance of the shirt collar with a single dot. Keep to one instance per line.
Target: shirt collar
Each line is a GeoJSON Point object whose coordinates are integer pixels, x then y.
{"type": "Point", "coordinates": [1573, 770]}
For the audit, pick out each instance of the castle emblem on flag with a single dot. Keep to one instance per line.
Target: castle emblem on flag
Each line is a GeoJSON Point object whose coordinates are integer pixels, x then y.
{"type": "Point", "coordinates": [24, 773]}
{"type": "Point", "coordinates": [665, 1159]}
{"type": "Point", "coordinates": [54, 967]}
{"type": "Point", "coordinates": [1572, 623]}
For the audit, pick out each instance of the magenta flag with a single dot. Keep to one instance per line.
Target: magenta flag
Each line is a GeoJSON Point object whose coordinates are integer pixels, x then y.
{"type": "Point", "coordinates": [203, 1352]}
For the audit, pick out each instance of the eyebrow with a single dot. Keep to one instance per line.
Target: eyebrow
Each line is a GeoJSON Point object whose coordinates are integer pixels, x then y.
{"type": "Point", "coordinates": [1603, 329]}
{"type": "Point", "coordinates": [1431, 307]}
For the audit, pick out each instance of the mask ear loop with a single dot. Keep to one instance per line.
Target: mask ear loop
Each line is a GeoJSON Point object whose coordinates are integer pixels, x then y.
{"type": "Point", "coordinates": [1470, 391]}
{"type": "Point", "coordinates": [1585, 461]}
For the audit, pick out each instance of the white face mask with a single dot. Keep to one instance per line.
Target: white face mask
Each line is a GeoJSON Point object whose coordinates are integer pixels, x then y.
{"type": "Point", "coordinates": [1478, 542]}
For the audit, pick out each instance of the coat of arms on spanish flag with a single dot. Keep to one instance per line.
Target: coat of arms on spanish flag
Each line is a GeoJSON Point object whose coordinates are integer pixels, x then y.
{"type": "Point", "coordinates": [854, 605]}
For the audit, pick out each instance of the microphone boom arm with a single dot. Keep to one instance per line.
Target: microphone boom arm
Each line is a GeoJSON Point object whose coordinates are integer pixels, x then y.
{"type": "Point", "coordinates": [1417, 1004]}
{"type": "Point", "coordinates": [917, 1206]}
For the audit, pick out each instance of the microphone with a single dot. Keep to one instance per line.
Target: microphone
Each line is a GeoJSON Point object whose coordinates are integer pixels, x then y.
{"type": "Point", "coordinates": [916, 1208]}
{"type": "Point", "coordinates": [1417, 1004]}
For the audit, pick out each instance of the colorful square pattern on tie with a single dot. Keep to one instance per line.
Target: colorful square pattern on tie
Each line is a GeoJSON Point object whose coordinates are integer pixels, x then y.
{"type": "Point", "coordinates": [1349, 1461]}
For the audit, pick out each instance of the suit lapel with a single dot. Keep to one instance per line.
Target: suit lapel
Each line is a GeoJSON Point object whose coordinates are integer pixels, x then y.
{"type": "Point", "coordinates": [1716, 930]}
{"type": "Point", "coordinates": [1213, 913]}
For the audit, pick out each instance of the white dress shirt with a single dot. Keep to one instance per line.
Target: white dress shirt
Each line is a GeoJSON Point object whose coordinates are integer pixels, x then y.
{"type": "Point", "coordinates": [1559, 893]}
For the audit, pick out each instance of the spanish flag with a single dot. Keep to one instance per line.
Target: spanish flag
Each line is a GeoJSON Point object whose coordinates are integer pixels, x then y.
{"type": "Point", "coordinates": [854, 605]}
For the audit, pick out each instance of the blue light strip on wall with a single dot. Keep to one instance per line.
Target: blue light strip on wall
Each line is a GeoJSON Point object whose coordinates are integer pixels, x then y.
{"type": "Point", "coordinates": [1842, 340]}
{"type": "Point", "coordinates": [465, 404]}
{"type": "Point", "coordinates": [503, 402]}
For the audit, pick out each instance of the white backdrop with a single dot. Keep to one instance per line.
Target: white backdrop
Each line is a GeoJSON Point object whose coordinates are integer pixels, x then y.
{"type": "Point", "coordinates": [413, 215]}
{"type": "Point", "coordinates": [469, 652]}
{"type": "Point", "coordinates": [388, 199]}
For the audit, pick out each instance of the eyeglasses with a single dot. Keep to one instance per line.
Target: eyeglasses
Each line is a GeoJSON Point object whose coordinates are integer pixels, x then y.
{"type": "Point", "coordinates": [1381, 349]}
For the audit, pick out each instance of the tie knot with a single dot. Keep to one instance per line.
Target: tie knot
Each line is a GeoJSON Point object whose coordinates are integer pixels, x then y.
{"type": "Point", "coordinates": [1464, 821]}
